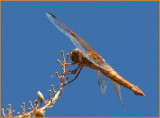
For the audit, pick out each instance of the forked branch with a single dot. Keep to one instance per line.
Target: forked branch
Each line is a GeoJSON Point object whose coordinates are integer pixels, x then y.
{"type": "Point", "coordinates": [38, 109]}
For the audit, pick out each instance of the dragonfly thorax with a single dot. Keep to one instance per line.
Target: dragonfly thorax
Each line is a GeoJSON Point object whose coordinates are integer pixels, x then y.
{"type": "Point", "coordinates": [78, 57]}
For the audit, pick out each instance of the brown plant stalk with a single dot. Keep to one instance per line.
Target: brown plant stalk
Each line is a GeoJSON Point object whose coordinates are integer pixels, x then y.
{"type": "Point", "coordinates": [37, 109]}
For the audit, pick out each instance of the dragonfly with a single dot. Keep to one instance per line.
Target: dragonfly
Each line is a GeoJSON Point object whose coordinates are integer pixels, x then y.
{"type": "Point", "coordinates": [86, 56]}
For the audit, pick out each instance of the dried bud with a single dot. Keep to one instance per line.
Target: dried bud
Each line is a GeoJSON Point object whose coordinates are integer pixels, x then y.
{"type": "Point", "coordinates": [8, 110]}
{"type": "Point", "coordinates": [13, 112]}
{"type": "Point", "coordinates": [56, 73]}
{"type": "Point", "coordinates": [22, 108]}
{"type": "Point", "coordinates": [58, 60]}
{"type": "Point", "coordinates": [30, 102]}
{"type": "Point", "coordinates": [67, 56]}
{"type": "Point", "coordinates": [55, 92]}
{"type": "Point", "coordinates": [52, 87]}
{"type": "Point", "coordinates": [18, 113]}
{"type": "Point", "coordinates": [29, 109]}
{"type": "Point", "coordinates": [62, 51]}
{"type": "Point", "coordinates": [38, 113]}
{"type": "Point", "coordinates": [40, 97]}
{"type": "Point", "coordinates": [9, 106]}
{"type": "Point", "coordinates": [36, 103]}
{"type": "Point", "coordinates": [23, 104]}
{"type": "Point", "coordinates": [49, 94]}
{"type": "Point", "coordinates": [2, 109]}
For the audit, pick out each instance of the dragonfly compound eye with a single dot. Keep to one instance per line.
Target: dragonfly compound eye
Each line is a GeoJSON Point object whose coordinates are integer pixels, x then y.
{"type": "Point", "coordinates": [74, 55]}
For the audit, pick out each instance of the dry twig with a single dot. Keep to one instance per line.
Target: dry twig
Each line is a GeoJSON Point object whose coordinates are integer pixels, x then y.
{"type": "Point", "coordinates": [37, 110]}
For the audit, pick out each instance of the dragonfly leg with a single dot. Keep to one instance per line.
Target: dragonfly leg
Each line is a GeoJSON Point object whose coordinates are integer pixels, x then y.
{"type": "Point", "coordinates": [75, 77]}
{"type": "Point", "coordinates": [71, 72]}
{"type": "Point", "coordinates": [69, 64]}
{"type": "Point", "coordinates": [75, 70]}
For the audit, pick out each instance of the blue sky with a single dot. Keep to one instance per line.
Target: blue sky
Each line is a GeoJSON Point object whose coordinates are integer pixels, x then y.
{"type": "Point", "coordinates": [124, 33]}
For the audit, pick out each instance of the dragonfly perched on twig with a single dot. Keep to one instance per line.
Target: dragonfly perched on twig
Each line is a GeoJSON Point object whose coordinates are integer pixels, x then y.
{"type": "Point", "coordinates": [85, 55]}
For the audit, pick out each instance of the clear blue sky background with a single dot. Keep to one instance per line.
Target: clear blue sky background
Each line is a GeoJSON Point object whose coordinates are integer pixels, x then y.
{"type": "Point", "coordinates": [124, 33]}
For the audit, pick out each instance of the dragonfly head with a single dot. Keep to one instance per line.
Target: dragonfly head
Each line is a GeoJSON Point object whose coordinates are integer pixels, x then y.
{"type": "Point", "coordinates": [75, 54]}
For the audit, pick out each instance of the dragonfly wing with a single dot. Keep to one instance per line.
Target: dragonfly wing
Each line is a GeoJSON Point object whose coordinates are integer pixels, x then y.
{"type": "Point", "coordinates": [78, 42]}
{"type": "Point", "coordinates": [117, 88]}
{"type": "Point", "coordinates": [58, 24]}
{"type": "Point", "coordinates": [102, 82]}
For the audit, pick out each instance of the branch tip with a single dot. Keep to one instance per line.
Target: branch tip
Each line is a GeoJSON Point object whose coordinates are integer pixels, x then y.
{"type": "Point", "coordinates": [18, 113]}
{"type": "Point", "coordinates": [30, 102]}
{"type": "Point", "coordinates": [49, 94]}
{"type": "Point", "coordinates": [29, 109]}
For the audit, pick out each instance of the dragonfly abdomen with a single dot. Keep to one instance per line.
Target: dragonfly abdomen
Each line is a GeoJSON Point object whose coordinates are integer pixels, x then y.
{"type": "Point", "coordinates": [113, 75]}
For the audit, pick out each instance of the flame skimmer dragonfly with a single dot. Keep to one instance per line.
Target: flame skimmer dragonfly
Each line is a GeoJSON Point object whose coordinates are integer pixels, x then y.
{"type": "Point", "coordinates": [86, 56]}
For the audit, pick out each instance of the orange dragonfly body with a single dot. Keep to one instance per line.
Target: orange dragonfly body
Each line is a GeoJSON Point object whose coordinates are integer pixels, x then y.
{"type": "Point", "coordinates": [85, 55]}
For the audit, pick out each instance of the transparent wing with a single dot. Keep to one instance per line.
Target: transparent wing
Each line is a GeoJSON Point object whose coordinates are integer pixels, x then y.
{"type": "Point", "coordinates": [58, 24]}
{"type": "Point", "coordinates": [102, 82]}
{"type": "Point", "coordinates": [117, 88]}
{"type": "Point", "coordinates": [76, 40]}
{"type": "Point", "coordinates": [79, 43]}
